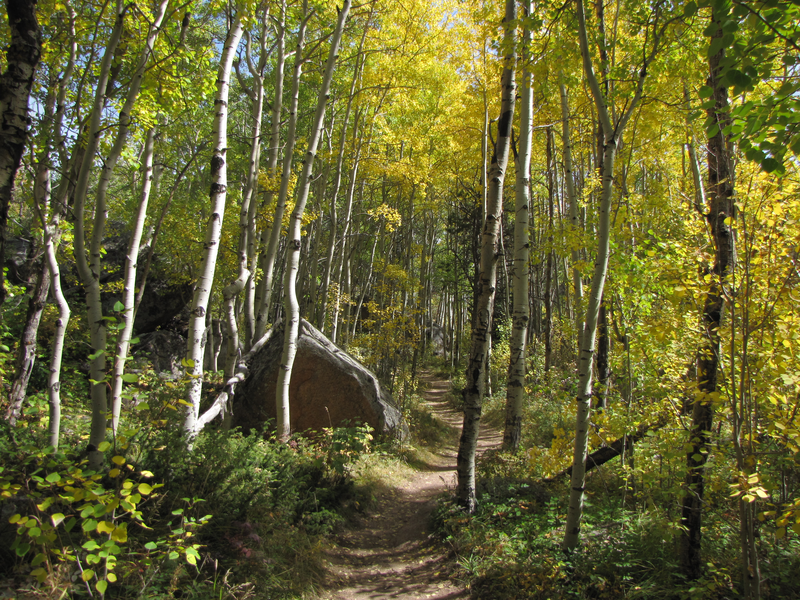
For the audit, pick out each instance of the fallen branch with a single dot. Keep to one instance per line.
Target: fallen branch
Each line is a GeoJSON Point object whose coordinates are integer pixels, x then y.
{"type": "Point", "coordinates": [616, 448]}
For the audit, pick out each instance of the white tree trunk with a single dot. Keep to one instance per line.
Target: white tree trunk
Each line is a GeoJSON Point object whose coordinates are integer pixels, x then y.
{"type": "Point", "coordinates": [577, 280]}
{"type": "Point", "coordinates": [90, 279]}
{"type": "Point", "coordinates": [515, 391]}
{"type": "Point", "coordinates": [292, 308]}
{"type": "Point", "coordinates": [129, 281]}
{"type": "Point", "coordinates": [482, 322]}
{"type": "Point", "coordinates": [612, 132]}
{"type": "Point", "coordinates": [218, 195]}
{"type": "Point", "coordinates": [271, 251]}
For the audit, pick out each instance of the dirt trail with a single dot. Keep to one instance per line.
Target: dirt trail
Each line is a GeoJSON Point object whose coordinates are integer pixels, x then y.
{"type": "Point", "coordinates": [390, 554]}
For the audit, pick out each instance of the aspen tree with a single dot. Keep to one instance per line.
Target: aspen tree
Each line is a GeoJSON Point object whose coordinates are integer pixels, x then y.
{"type": "Point", "coordinates": [612, 132]}
{"type": "Point", "coordinates": [271, 248]}
{"type": "Point", "coordinates": [572, 199]}
{"type": "Point", "coordinates": [484, 306]}
{"type": "Point", "coordinates": [218, 194]}
{"type": "Point", "coordinates": [15, 88]}
{"type": "Point", "coordinates": [515, 391]}
{"type": "Point", "coordinates": [90, 270]}
{"type": "Point", "coordinates": [292, 308]}
{"type": "Point", "coordinates": [129, 280]}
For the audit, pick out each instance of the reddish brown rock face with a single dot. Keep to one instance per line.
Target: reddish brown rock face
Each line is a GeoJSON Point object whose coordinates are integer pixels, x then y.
{"type": "Point", "coordinates": [328, 388]}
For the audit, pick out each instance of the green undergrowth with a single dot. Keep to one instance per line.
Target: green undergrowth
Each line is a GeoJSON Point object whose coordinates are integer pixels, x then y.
{"type": "Point", "coordinates": [511, 547]}
{"type": "Point", "coordinates": [237, 516]}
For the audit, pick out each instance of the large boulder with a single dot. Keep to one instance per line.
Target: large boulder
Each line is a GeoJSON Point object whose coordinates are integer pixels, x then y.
{"type": "Point", "coordinates": [328, 388]}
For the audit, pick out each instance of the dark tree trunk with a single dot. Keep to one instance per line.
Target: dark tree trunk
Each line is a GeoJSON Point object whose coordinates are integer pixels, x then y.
{"type": "Point", "coordinates": [15, 88]}
{"type": "Point", "coordinates": [26, 356]}
{"type": "Point", "coordinates": [721, 207]}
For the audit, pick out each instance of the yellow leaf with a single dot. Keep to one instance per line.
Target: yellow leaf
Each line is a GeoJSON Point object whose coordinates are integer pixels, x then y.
{"type": "Point", "coordinates": [113, 473]}
{"type": "Point", "coordinates": [120, 535]}
{"type": "Point", "coordinates": [105, 527]}
{"type": "Point", "coordinates": [118, 460]}
{"type": "Point", "coordinates": [87, 574]}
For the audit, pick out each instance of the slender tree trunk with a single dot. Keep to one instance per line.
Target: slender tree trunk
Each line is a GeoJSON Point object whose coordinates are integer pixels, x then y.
{"type": "Point", "coordinates": [482, 320]}
{"type": "Point", "coordinates": [218, 195]}
{"type": "Point", "coordinates": [90, 277]}
{"type": "Point", "coordinates": [271, 252]}
{"type": "Point", "coordinates": [515, 391]}
{"type": "Point", "coordinates": [720, 208]}
{"type": "Point", "coordinates": [129, 289]}
{"type": "Point", "coordinates": [548, 275]}
{"type": "Point", "coordinates": [26, 355]}
{"type": "Point", "coordinates": [295, 230]}
{"type": "Point", "coordinates": [612, 131]}
{"type": "Point", "coordinates": [22, 57]}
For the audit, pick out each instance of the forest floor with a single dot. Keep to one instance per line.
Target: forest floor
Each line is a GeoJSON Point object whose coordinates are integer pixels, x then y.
{"type": "Point", "coordinates": [389, 552]}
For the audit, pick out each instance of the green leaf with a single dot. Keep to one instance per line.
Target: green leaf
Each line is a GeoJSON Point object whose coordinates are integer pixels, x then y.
{"type": "Point", "coordinates": [738, 79]}
{"type": "Point", "coordinates": [705, 91]}
{"type": "Point", "coordinates": [716, 45]}
{"type": "Point", "coordinates": [771, 165]}
{"type": "Point", "coordinates": [96, 354]}
{"type": "Point", "coordinates": [53, 478]}
{"type": "Point", "coordinates": [89, 525]}
{"type": "Point", "coordinates": [689, 10]}
{"type": "Point", "coordinates": [150, 546]}
{"type": "Point", "coordinates": [187, 362]}
{"type": "Point", "coordinates": [119, 306]}
{"type": "Point", "coordinates": [145, 488]}
{"type": "Point", "coordinates": [101, 586]}
{"type": "Point", "coordinates": [87, 575]}
{"type": "Point", "coordinates": [130, 377]}
{"type": "Point", "coordinates": [104, 446]}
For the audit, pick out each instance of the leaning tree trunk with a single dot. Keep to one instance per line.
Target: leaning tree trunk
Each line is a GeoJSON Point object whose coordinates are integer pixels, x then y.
{"type": "Point", "coordinates": [90, 278]}
{"type": "Point", "coordinates": [15, 88]}
{"type": "Point", "coordinates": [487, 277]}
{"type": "Point", "coordinates": [218, 194]}
{"type": "Point", "coordinates": [271, 251]}
{"type": "Point", "coordinates": [612, 131]}
{"type": "Point", "coordinates": [91, 270]}
{"type": "Point", "coordinates": [129, 281]}
{"type": "Point", "coordinates": [292, 307]}
{"type": "Point", "coordinates": [515, 391]}
{"type": "Point", "coordinates": [720, 215]}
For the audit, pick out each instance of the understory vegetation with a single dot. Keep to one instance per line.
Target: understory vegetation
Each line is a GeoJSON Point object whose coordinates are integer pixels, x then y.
{"type": "Point", "coordinates": [512, 546]}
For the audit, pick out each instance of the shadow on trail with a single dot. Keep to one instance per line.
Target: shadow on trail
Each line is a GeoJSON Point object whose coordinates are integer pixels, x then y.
{"type": "Point", "coordinates": [389, 553]}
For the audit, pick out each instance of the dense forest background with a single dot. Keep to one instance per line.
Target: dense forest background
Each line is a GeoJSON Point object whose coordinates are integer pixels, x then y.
{"type": "Point", "coordinates": [182, 176]}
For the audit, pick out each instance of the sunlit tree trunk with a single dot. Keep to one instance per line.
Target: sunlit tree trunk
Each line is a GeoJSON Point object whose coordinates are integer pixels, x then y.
{"type": "Point", "coordinates": [612, 131]}
{"type": "Point", "coordinates": [482, 321]}
{"type": "Point", "coordinates": [271, 249]}
{"type": "Point", "coordinates": [90, 278]}
{"type": "Point", "coordinates": [218, 195]}
{"type": "Point", "coordinates": [515, 391]}
{"type": "Point", "coordinates": [292, 308]}
{"type": "Point", "coordinates": [91, 271]}
{"type": "Point", "coordinates": [129, 279]}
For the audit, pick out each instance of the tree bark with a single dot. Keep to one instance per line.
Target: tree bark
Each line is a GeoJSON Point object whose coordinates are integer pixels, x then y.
{"type": "Point", "coordinates": [612, 131]}
{"type": "Point", "coordinates": [720, 207]}
{"type": "Point", "coordinates": [295, 231]}
{"type": "Point", "coordinates": [129, 289]}
{"type": "Point", "coordinates": [22, 58]}
{"type": "Point", "coordinates": [271, 249]}
{"type": "Point", "coordinates": [90, 277]}
{"type": "Point", "coordinates": [218, 195]}
{"type": "Point", "coordinates": [482, 320]}
{"type": "Point", "coordinates": [515, 390]}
